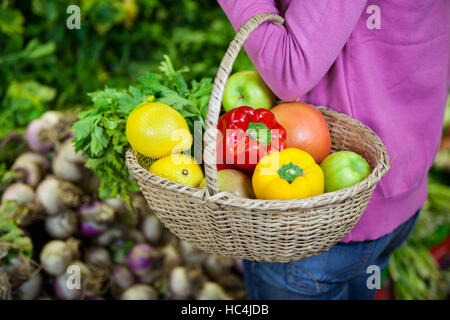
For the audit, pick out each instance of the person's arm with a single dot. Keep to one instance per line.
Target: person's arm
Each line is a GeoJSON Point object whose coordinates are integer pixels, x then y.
{"type": "Point", "coordinates": [293, 58]}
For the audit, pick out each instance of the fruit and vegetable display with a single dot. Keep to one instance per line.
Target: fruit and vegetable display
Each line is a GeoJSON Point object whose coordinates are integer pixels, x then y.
{"type": "Point", "coordinates": [74, 224]}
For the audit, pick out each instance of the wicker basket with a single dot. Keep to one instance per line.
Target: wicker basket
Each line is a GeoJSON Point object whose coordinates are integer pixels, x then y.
{"type": "Point", "coordinates": [263, 230]}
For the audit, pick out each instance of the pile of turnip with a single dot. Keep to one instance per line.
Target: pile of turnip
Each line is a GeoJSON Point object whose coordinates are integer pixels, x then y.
{"type": "Point", "coordinates": [87, 248]}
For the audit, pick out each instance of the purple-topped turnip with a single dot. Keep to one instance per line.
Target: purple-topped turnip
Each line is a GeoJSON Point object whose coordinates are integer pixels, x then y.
{"type": "Point", "coordinates": [97, 211]}
{"type": "Point", "coordinates": [91, 229]}
{"type": "Point", "coordinates": [35, 136]}
{"type": "Point", "coordinates": [140, 258]}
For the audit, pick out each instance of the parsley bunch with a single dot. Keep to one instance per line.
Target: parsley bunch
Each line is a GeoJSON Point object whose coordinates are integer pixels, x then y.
{"type": "Point", "coordinates": [100, 131]}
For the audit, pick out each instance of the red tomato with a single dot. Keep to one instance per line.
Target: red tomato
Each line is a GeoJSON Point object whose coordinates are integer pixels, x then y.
{"type": "Point", "coordinates": [306, 128]}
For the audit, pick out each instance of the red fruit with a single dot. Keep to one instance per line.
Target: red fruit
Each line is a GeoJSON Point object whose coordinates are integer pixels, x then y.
{"type": "Point", "coordinates": [306, 128]}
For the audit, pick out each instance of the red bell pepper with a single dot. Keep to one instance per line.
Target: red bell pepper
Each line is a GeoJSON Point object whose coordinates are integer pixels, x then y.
{"type": "Point", "coordinates": [247, 135]}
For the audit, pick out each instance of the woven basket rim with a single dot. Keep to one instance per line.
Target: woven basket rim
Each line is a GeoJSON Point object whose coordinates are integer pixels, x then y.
{"type": "Point", "coordinates": [228, 199]}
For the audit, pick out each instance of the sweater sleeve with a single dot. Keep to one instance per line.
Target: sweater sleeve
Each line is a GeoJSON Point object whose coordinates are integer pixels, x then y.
{"type": "Point", "coordinates": [294, 57]}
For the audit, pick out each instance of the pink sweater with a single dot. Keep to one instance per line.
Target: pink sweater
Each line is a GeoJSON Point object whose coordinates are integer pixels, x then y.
{"type": "Point", "coordinates": [394, 79]}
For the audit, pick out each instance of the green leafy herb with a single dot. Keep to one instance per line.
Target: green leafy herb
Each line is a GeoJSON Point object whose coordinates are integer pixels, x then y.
{"type": "Point", "coordinates": [100, 131]}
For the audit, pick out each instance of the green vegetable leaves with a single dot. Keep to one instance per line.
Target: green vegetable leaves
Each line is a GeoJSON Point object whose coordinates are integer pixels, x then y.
{"type": "Point", "coordinates": [100, 131]}
{"type": "Point", "coordinates": [171, 88]}
{"type": "Point", "coordinates": [13, 239]}
{"type": "Point", "coordinates": [100, 134]}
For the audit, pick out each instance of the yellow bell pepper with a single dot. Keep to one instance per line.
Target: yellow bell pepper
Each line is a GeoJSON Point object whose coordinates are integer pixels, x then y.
{"type": "Point", "coordinates": [289, 174]}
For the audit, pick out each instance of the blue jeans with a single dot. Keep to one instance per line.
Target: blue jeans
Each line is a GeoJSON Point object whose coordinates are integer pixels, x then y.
{"type": "Point", "coordinates": [339, 273]}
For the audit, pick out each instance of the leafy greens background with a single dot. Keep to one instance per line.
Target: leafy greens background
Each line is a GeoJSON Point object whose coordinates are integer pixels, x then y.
{"type": "Point", "coordinates": [44, 65]}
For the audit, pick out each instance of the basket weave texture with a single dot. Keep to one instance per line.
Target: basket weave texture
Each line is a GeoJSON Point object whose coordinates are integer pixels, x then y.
{"type": "Point", "coordinates": [263, 230]}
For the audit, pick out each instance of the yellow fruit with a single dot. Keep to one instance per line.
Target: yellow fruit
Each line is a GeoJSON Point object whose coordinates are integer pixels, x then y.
{"type": "Point", "coordinates": [180, 168]}
{"type": "Point", "coordinates": [156, 130]}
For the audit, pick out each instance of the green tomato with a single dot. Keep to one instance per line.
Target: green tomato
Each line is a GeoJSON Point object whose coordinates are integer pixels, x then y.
{"type": "Point", "coordinates": [343, 169]}
{"type": "Point", "coordinates": [247, 88]}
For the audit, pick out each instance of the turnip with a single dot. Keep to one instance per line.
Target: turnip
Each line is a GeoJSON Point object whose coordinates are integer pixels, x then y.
{"type": "Point", "coordinates": [92, 279]}
{"type": "Point", "coordinates": [36, 138]}
{"type": "Point", "coordinates": [117, 204]}
{"type": "Point", "coordinates": [48, 194]}
{"type": "Point", "coordinates": [65, 289]}
{"type": "Point", "coordinates": [98, 256]}
{"type": "Point", "coordinates": [97, 211]}
{"type": "Point", "coordinates": [110, 235]}
{"type": "Point", "coordinates": [212, 291]}
{"type": "Point", "coordinates": [44, 133]}
{"type": "Point", "coordinates": [42, 162]}
{"type": "Point", "coordinates": [135, 235]}
{"type": "Point", "coordinates": [66, 163]}
{"type": "Point", "coordinates": [31, 166]}
{"type": "Point", "coordinates": [140, 258]}
{"type": "Point", "coordinates": [217, 266]}
{"type": "Point", "coordinates": [78, 282]}
{"type": "Point", "coordinates": [21, 204]}
{"type": "Point", "coordinates": [151, 227]}
{"type": "Point", "coordinates": [91, 229]}
{"type": "Point", "coordinates": [179, 283]}
{"type": "Point", "coordinates": [150, 276]}
{"type": "Point", "coordinates": [139, 292]}
{"type": "Point", "coordinates": [56, 255]}
{"type": "Point", "coordinates": [164, 259]}
{"type": "Point", "coordinates": [62, 226]}
{"type": "Point", "coordinates": [30, 289]}
{"type": "Point", "coordinates": [68, 153]}
{"type": "Point", "coordinates": [56, 195]}
{"type": "Point", "coordinates": [19, 268]}
{"type": "Point", "coordinates": [52, 117]}
{"type": "Point", "coordinates": [19, 192]}
{"type": "Point", "coordinates": [190, 254]}
{"type": "Point", "coordinates": [171, 257]}
{"type": "Point", "coordinates": [121, 278]}
{"type": "Point", "coordinates": [66, 170]}
{"type": "Point", "coordinates": [29, 171]}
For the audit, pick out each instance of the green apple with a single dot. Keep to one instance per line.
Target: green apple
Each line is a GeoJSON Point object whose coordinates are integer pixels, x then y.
{"type": "Point", "coordinates": [246, 88]}
{"type": "Point", "coordinates": [343, 169]}
{"type": "Point", "coordinates": [233, 181]}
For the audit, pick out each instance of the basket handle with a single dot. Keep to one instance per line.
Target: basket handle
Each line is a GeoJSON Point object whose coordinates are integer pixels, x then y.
{"type": "Point", "coordinates": [215, 101]}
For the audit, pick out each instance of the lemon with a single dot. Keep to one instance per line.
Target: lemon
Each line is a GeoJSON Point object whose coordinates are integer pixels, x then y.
{"type": "Point", "coordinates": [180, 168]}
{"type": "Point", "coordinates": [156, 130]}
